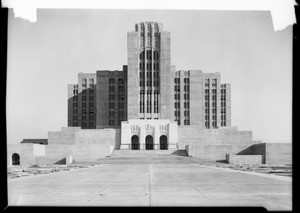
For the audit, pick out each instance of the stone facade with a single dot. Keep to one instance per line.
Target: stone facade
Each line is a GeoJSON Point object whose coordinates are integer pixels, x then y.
{"type": "Point", "coordinates": [163, 134]}
{"type": "Point", "coordinates": [146, 105]}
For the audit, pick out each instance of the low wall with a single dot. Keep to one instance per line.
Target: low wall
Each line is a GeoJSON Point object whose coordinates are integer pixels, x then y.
{"type": "Point", "coordinates": [91, 152]}
{"type": "Point", "coordinates": [98, 136]}
{"type": "Point", "coordinates": [194, 135]}
{"type": "Point", "coordinates": [272, 153]}
{"type": "Point", "coordinates": [35, 141]}
{"type": "Point", "coordinates": [213, 152]}
{"type": "Point", "coordinates": [64, 137]}
{"type": "Point", "coordinates": [244, 159]}
{"type": "Point", "coordinates": [25, 151]}
{"type": "Point", "coordinates": [278, 153]}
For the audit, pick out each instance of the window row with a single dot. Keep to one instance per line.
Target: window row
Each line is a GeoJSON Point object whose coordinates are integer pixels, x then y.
{"type": "Point", "coordinates": [112, 81]}
{"type": "Point", "coordinates": [120, 89]}
{"type": "Point", "coordinates": [90, 91]}
{"type": "Point", "coordinates": [121, 97]}
{"type": "Point", "coordinates": [113, 114]}
{"type": "Point", "coordinates": [149, 83]}
{"type": "Point", "coordinates": [84, 98]}
{"type": "Point", "coordinates": [149, 66]}
{"type": "Point", "coordinates": [84, 118]}
{"type": "Point", "coordinates": [149, 92]}
{"type": "Point", "coordinates": [111, 105]}
{"type": "Point", "coordinates": [223, 123]}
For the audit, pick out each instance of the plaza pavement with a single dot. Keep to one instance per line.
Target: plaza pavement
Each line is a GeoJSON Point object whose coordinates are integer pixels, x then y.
{"type": "Point", "coordinates": [152, 185]}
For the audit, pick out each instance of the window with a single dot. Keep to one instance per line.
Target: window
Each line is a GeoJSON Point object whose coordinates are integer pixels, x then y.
{"type": "Point", "coordinates": [121, 105]}
{"type": "Point", "coordinates": [121, 113]}
{"type": "Point", "coordinates": [83, 104]}
{"type": "Point", "coordinates": [91, 91]}
{"type": "Point", "coordinates": [186, 80]}
{"type": "Point", "coordinates": [91, 98]}
{"type": "Point", "coordinates": [111, 88]}
{"type": "Point", "coordinates": [111, 80]}
{"type": "Point", "coordinates": [186, 122]}
{"type": "Point", "coordinates": [84, 98]}
{"type": "Point", "coordinates": [111, 97]}
{"type": "Point", "coordinates": [206, 82]}
{"type": "Point", "coordinates": [121, 97]}
{"type": "Point", "coordinates": [121, 88]}
{"type": "Point", "coordinates": [186, 105]}
{"type": "Point", "coordinates": [91, 104]}
{"type": "Point", "coordinates": [111, 122]}
{"type": "Point", "coordinates": [121, 80]}
{"type": "Point", "coordinates": [187, 113]}
{"type": "Point", "coordinates": [111, 105]}
{"type": "Point", "coordinates": [214, 82]}
{"type": "Point", "coordinates": [111, 114]}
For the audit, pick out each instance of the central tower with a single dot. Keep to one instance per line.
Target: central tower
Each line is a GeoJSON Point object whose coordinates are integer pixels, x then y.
{"type": "Point", "coordinates": [149, 66]}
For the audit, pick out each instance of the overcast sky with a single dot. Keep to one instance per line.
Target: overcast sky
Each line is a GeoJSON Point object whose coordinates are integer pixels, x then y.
{"type": "Point", "coordinates": [45, 56]}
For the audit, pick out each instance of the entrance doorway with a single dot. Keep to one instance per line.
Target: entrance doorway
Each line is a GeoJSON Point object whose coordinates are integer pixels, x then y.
{"type": "Point", "coordinates": [15, 159]}
{"type": "Point", "coordinates": [135, 144]}
{"type": "Point", "coordinates": [149, 142]}
{"type": "Point", "coordinates": [163, 142]}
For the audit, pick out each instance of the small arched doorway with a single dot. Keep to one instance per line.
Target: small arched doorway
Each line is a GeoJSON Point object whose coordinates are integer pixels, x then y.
{"type": "Point", "coordinates": [15, 159]}
{"type": "Point", "coordinates": [135, 144]}
{"type": "Point", "coordinates": [149, 142]}
{"type": "Point", "coordinates": [163, 142]}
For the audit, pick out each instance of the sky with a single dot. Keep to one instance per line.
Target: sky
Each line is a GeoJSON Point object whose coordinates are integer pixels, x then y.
{"type": "Point", "coordinates": [43, 57]}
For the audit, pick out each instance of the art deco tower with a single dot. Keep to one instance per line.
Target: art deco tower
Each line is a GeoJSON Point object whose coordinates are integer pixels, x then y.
{"type": "Point", "coordinates": [149, 82]}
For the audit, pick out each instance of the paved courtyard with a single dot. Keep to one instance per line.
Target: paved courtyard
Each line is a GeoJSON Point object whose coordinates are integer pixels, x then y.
{"type": "Point", "coordinates": [152, 185]}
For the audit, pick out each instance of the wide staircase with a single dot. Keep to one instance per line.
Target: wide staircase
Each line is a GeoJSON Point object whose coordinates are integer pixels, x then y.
{"type": "Point", "coordinates": [171, 156]}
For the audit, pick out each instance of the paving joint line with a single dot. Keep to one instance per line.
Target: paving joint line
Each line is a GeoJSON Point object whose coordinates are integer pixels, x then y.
{"type": "Point", "coordinates": [94, 196]}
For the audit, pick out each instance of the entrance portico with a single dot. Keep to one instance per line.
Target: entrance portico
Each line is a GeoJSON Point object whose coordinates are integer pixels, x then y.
{"type": "Point", "coordinates": [150, 134]}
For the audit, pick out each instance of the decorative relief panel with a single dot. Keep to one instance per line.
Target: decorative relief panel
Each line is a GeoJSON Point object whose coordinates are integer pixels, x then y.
{"type": "Point", "coordinates": [135, 129]}
{"type": "Point", "coordinates": [149, 128]}
{"type": "Point", "coordinates": [163, 128]}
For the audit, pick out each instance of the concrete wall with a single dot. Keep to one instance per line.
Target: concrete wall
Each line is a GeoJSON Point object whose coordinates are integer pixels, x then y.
{"type": "Point", "coordinates": [25, 151]}
{"type": "Point", "coordinates": [91, 152]}
{"type": "Point", "coordinates": [213, 152]}
{"type": "Point", "coordinates": [272, 153]}
{"type": "Point", "coordinates": [54, 154]}
{"type": "Point", "coordinates": [65, 137]}
{"type": "Point", "coordinates": [278, 153]}
{"type": "Point", "coordinates": [57, 154]}
{"type": "Point", "coordinates": [195, 135]}
{"type": "Point", "coordinates": [244, 159]}
{"type": "Point", "coordinates": [35, 141]}
{"type": "Point", "coordinates": [99, 136]}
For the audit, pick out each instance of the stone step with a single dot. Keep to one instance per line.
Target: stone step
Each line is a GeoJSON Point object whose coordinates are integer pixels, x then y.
{"type": "Point", "coordinates": [133, 153]}
{"type": "Point", "coordinates": [156, 157]}
{"type": "Point", "coordinates": [163, 159]}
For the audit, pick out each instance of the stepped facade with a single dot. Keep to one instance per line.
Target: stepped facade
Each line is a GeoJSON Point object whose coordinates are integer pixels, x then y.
{"type": "Point", "coordinates": [147, 106]}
